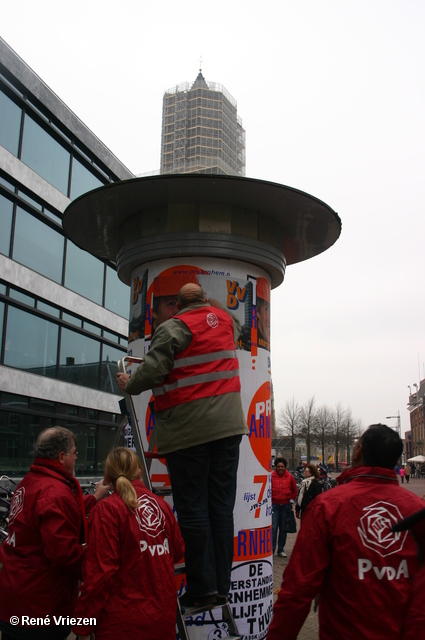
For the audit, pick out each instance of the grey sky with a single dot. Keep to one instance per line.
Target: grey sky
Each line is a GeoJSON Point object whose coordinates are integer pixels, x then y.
{"type": "Point", "coordinates": [331, 94]}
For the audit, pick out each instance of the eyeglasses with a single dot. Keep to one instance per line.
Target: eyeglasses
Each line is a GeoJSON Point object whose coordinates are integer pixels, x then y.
{"type": "Point", "coordinates": [72, 453]}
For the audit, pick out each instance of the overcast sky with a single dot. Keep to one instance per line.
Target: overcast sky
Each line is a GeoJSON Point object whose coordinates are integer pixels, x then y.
{"type": "Point", "coordinates": [331, 94]}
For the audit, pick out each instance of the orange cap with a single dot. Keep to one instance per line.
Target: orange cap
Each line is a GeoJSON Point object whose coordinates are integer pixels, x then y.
{"type": "Point", "coordinates": [263, 289]}
{"type": "Point", "coordinates": [171, 285]}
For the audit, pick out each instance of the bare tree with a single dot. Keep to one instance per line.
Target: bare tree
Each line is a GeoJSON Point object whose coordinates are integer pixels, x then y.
{"type": "Point", "coordinates": [308, 418]}
{"type": "Point", "coordinates": [288, 422]}
{"type": "Point", "coordinates": [322, 429]}
{"type": "Point", "coordinates": [351, 429]}
{"type": "Point", "coordinates": [337, 424]}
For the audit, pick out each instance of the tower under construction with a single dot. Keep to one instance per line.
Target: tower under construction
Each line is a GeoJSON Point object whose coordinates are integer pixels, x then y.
{"type": "Point", "coordinates": [201, 130]}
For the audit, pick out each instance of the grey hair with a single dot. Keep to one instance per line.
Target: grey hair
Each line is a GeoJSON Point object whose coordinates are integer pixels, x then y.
{"type": "Point", "coordinates": [52, 441]}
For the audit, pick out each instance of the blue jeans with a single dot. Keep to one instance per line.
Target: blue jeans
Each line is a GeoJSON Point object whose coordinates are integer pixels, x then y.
{"type": "Point", "coordinates": [203, 480]}
{"type": "Point", "coordinates": [279, 512]}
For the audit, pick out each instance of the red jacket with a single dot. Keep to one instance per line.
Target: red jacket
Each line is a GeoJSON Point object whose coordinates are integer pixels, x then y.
{"type": "Point", "coordinates": [208, 367]}
{"type": "Point", "coordinates": [42, 555]}
{"type": "Point", "coordinates": [414, 623]}
{"type": "Point", "coordinates": [128, 570]}
{"type": "Point", "coordinates": [284, 487]}
{"type": "Point", "coordinates": [346, 552]}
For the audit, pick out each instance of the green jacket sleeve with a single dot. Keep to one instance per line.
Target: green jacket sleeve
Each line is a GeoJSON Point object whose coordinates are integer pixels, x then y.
{"type": "Point", "coordinates": [170, 338]}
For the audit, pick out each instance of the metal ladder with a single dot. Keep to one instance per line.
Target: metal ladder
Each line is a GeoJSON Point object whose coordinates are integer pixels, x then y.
{"type": "Point", "coordinates": [226, 624]}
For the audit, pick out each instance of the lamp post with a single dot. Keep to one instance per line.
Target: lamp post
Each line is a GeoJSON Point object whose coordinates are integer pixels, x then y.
{"type": "Point", "coordinates": [397, 417]}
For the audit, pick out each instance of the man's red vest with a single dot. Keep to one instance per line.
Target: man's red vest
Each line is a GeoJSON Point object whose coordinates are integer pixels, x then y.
{"type": "Point", "coordinates": [208, 366]}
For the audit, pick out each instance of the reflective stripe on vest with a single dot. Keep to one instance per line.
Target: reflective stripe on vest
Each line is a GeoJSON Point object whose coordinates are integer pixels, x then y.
{"type": "Point", "coordinates": [207, 367]}
{"type": "Point", "coordinates": [187, 382]}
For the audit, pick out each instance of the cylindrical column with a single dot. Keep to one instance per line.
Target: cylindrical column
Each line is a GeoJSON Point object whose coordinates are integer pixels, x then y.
{"type": "Point", "coordinates": [234, 237]}
{"type": "Point", "coordinates": [243, 290]}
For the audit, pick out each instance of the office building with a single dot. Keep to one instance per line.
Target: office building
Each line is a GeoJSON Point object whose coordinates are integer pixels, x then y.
{"type": "Point", "coordinates": [63, 313]}
{"type": "Point", "coordinates": [417, 419]}
{"type": "Point", "coordinates": [201, 130]}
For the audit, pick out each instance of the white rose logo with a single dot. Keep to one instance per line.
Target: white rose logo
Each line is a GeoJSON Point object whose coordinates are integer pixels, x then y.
{"type": "Point", "coordinates": [150, 517]}
{"type": "Point", "coordinates": [212, 320]}
{"type": "Point", "coordinates": [375, 528]}
{"type": "Point", "coordinates": [17, 504]}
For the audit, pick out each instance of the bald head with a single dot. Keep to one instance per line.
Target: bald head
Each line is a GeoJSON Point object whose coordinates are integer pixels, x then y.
{"type": "Point", "coordinates": [190, 293]}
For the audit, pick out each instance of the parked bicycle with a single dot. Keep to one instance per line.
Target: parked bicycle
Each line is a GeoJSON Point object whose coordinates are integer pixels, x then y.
{"type": "Point", "coordinates": [6, 494]}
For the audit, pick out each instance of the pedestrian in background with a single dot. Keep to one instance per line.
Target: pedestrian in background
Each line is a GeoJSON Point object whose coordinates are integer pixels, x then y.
{"type": "Point", "coordinates": [408, 472]}
{"type": "Point", "coordinates": [402, 473]}
{"type": "Point", "coordinates": [284, 492]}
{"type": "Point", "coordinates": [309, 489]}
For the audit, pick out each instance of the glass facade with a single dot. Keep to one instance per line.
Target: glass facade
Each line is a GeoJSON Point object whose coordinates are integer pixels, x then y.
{"type": "Point", "coordinates": [45, 148]}
{"type": "Point", "coordinates": [64, 348]}
{"type": "Point", "coordinates": [39, 243]}
{"type": "Point", "coordinates": [37, 335]}
{"type": "Point", "coordinates": [23, 418]}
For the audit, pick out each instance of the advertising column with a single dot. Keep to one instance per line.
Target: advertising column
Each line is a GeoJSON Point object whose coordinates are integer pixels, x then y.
{"type": "Point", "coordinates": [243, 290]}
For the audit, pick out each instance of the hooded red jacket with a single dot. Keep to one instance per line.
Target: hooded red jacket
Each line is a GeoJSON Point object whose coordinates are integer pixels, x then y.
{"type": "Point", "coordinates": [346, 552]}
{"type": "Point", "coordinates": [42, 555]}
{"type": "Point", "coordinates": [128, 584]}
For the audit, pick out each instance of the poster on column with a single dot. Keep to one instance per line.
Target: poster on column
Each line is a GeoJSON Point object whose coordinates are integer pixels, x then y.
{"type": "Point", "coordinates": [244, 291]}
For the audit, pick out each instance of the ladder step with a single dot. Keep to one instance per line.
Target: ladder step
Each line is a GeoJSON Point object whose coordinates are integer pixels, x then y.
{"type": "Point", "coordinates": [162, 491]}
{"type": "Point", "coordinates": [227, 617]}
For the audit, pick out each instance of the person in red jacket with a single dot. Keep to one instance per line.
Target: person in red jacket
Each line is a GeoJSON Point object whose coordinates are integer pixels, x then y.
{"type": "Point", "coordinates": [43, 553]}
{"type": "Point", "coordinates": [128, 575]}
{"type": "Point", "coordinates": [347, 552]}
{"type": "Point", "coordinates": [414, 621]}
{"type": "Point", "coordinates": [284, 492]}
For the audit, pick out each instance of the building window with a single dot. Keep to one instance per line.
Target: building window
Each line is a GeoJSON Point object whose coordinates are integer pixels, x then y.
{"type": "Point", "coordinates": [82, 180]}
{"type": "Point", "coordinates": [10, 124]}
{"type": "Point", "coordinates": [117, 294]}
{"type": "Point", "coordinates": [84, 273]}
{"type": "Point", "coordinates": [22, 420]}
{"type": "Point", "coordinates": [109, 369]}
{"type": "Point", "coordinates": [79, 359]}
{"type": "Point", "coordinates": [38, 246]}
{"type": "Point", "coordinates": [45, 155]}
{"type": "Point", "coordinates": [31, 343]}
{"type": "Point", "coordinates": [6, 216]}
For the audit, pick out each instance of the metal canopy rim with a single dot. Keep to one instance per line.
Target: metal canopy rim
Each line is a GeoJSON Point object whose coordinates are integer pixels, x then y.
{"type": "Point", "coordinates": [93, 220]}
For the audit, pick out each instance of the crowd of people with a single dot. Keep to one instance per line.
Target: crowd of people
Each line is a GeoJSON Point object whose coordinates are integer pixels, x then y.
{"type": "Point", "coordinates": [104, 564]}
{"type": "Point", "coordinates": [356, 548]}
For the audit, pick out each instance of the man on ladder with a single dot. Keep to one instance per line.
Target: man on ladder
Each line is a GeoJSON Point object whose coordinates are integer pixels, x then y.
{"type": "Point", "coordinates": [193, 370]}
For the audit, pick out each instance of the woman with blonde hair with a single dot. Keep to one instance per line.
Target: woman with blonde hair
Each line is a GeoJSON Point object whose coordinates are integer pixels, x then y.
{"type": "Point", "coordinates": [128, 576]}
{"type": "Point", "coordinates": [310, 488]}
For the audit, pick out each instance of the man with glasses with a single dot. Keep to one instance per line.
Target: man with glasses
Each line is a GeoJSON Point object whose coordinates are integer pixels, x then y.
{"type": "Point", "coordinates": [43, 552]}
